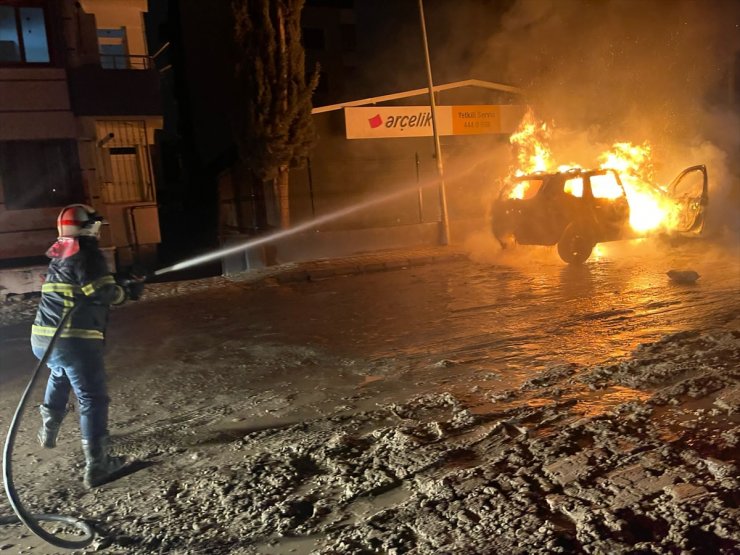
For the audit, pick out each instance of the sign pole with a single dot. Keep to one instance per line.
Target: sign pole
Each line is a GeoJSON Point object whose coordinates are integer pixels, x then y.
{"type": "Point", "coordinates": [445, 224]}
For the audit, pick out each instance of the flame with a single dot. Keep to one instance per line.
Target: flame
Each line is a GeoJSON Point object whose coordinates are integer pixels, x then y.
{"type": "Point", "coordinates": [530, 141]}
{"type": "Point", "coordinates": [605, 186]}
{"type": "Point", "coordinates": [519, 190]}
{"type": "Point", "coordinates": [532, 153]}
{"type": "Point", "coordinates": [574, 187]}
{"type": "Point", "coordinates": [650, 208]}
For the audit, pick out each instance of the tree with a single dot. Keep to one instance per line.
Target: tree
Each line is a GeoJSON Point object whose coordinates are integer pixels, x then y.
{"type": "Point", "coordinates": [274, 129]}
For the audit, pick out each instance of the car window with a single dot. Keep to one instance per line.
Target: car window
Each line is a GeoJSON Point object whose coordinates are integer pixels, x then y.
{"type": "Point", "coordinates": [526, 189]}
{"type": "Point", "coordinates": [606, 186]}
{"type": "Point", "coordinates": [574, 186]}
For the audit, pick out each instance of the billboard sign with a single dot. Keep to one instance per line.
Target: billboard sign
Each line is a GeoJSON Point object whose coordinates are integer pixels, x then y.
{"type": "Point", "coordinates": [416, 121]}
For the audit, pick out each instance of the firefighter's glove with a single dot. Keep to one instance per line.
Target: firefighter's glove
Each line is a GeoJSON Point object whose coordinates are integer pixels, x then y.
{"type": "Point", "coordinates": [134, 289]}
{"type": "Point", "coordinates": [132, 285]}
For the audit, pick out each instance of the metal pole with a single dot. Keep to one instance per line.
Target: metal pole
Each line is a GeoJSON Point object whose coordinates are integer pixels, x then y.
{"type": "Point", "coordinates": [445, 231]}
{"type": "Point", "coordinates": [420, 191]}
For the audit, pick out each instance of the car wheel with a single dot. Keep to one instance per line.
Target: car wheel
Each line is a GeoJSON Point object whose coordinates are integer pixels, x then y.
{"type": "Point", "coordinates": [575, 245]}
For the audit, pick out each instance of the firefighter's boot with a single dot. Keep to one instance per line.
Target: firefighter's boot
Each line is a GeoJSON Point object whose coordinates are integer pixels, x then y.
{"type": "Point", "coordinates": [51, 421]}
{"type": "Point", "coordinates": [100, 464]}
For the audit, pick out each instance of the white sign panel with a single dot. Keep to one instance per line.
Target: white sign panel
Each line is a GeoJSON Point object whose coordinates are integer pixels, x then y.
{"type": "Point", "coordinates": [416, 121]}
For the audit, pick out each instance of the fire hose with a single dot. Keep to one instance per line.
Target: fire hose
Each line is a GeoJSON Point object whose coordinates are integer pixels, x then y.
{"type": "Point", "coordinates": [22, 515]}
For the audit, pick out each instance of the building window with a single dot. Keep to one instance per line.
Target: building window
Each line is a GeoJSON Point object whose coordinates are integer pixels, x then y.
{"type": "Point", "coordinates": [23, 35]}
{"type": "Point", "coordinates": [112, 48]}
{"type": "Point", "coordinates": [36, 174]}
{"type": "Point", "coordinates": [313, 39]}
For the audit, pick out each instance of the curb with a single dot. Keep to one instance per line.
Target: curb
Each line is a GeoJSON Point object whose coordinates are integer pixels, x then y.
{"type": "Point", "coordinates": [296, 272]}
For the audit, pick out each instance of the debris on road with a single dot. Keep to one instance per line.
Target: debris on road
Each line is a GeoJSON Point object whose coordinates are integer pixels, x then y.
{"type": "Point", "coordinates": [683, 276]}
{"type": "Point", "coordinates": [509, 422]}
{"type": "Point", "coordinates": [540, 472]}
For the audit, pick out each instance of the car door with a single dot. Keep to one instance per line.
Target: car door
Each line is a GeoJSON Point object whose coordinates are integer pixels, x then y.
{"type": "Point", "coordinates": [689, 190]}
{"type": "Point", "coordinates": [610, 206]}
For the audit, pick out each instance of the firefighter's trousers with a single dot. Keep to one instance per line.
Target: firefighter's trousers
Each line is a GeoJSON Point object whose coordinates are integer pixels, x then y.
{"type": "Point", "coordinates": [77, 365]}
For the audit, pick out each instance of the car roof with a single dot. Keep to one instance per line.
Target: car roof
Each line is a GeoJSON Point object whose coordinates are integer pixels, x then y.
{"type": "Point", "coordinates": [572, 172]}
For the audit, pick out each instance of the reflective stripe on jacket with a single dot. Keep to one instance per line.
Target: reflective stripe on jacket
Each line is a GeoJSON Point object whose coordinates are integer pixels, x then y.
{"type": "Point", "coordinates": [83, 280]}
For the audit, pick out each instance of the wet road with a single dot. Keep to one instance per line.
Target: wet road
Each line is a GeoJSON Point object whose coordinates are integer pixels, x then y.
{"type": "Point", "coordinates": [518, 313]}
{"type": "Point", "coordinates": [208, 366]}
{"type": "Point", "coordinates": [495, 320]}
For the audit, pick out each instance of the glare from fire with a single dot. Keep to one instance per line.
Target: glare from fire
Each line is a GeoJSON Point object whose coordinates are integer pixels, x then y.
{"type": "Point", "coordinates": [602, 186]}
{"type": "Point", "coordinates": [533, 154]}
{"type": "Point", "coordinates": [650, 207]}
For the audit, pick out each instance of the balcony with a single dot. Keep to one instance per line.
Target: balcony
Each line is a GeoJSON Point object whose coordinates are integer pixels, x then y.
{"type": "Point", "coordinates": [120, 61]}
{"type": "Point", "coordinates": [119, 86]}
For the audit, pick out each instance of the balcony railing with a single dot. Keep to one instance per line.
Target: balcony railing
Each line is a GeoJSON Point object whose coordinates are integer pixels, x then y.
{"type": "Point", "coordinates": [120, 61]}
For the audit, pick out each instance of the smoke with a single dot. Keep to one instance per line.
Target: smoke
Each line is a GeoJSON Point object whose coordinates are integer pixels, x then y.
{"type": "Point", "coordinates": [660, 70]}
{"type": "Point", "coordinates": [618, 66]}
{"type": "Point", "coordinates": [630, 70]}
{"type": "Point", "coordinates": [602, 71]}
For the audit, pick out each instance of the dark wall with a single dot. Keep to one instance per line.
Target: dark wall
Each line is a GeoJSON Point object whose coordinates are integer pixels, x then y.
{"type": "Point", "coordinates": [195, 71]}
{"type": "Point", "coordinates": [95, 91]}
{"type": "Point", "coordinates": [206, 42]}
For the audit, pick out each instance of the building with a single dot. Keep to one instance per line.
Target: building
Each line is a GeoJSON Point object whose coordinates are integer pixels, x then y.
{"type": "Point", "coordinates": [79, 106]}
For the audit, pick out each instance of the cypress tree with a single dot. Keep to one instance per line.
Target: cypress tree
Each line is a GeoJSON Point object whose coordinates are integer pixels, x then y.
{"type": "Point", "coordinates": [274, 130]}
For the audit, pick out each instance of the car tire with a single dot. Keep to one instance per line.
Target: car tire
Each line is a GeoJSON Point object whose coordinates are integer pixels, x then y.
{"type": "Point", "coordinates": [575, 245]}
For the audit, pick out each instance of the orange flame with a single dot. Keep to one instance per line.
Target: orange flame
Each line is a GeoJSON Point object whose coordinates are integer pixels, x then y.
{"type": "Point", "coordinates": [530, 139]}
{"type": "Point", "coordinates": [650, 207]}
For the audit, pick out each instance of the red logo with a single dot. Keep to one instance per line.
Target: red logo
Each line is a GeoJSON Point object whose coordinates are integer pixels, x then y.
{"type": "Point", "coordinates": [375, 121]}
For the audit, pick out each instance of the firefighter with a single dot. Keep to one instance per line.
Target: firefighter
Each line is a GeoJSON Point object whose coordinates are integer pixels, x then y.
{"type": "Point", "coordinates": [78, 277]}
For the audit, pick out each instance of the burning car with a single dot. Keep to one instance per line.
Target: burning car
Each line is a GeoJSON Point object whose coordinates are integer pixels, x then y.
{"type": "Point", "coordinates": [575, 209]}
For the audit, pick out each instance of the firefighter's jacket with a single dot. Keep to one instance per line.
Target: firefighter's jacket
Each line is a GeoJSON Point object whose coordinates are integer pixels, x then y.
{"type": "Point", "coordinates": [80, 279]}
